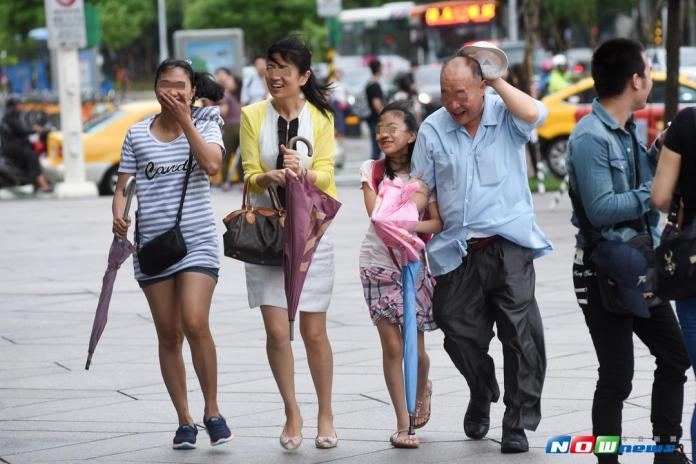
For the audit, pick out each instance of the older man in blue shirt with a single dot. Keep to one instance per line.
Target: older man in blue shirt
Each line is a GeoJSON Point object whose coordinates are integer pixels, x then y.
{"type": "Point", "coordinates": [472, 153]}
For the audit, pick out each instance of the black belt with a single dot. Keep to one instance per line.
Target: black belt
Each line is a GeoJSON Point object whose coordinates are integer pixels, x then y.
{"type": "Point", "coordinates": [478, 244]}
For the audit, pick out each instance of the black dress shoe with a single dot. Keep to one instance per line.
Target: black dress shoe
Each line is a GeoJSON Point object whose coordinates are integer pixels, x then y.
{"type": "Point", "coordinates": [477, 419]}
{"type": "Point", "coordinates": [514, 441]}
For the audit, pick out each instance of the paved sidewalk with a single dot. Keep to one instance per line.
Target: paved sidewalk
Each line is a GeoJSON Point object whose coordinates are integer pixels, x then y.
{"type": "Point", "coordinates": [52, 256]}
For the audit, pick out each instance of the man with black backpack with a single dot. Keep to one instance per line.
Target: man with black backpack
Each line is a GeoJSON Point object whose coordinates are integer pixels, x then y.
{"type": "Point", "coordinates": [611, 174]}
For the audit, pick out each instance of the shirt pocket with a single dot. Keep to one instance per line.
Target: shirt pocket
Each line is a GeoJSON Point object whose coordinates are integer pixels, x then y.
{"type": "Point", "coordinates": [620, 174]}
{"type": "Point", "coordinates": [490, 163]}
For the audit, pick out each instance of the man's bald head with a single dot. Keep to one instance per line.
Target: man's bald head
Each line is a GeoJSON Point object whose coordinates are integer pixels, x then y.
{"type": "Point", "coordinates": [462, 91]}
{"type": "Point", "coordinates": [462, 60]}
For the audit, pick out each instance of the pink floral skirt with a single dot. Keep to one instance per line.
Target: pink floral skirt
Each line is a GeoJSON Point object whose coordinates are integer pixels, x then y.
{"type": "Point", "coordinates": [384, 297]}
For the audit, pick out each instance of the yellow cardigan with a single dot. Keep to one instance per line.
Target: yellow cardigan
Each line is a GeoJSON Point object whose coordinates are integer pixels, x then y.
{"type": "Point", "coordinates": [324, 146]}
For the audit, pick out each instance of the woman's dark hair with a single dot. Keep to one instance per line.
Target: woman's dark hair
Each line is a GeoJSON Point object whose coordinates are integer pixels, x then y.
{"type": "Point", "coordinates": [205, 84]}
{"type": "Point", "coordinates": [411, 124]}
{"type": "Point", "coordinates": [614, 63]}
{"type": "Point", "coordinates": [294, 51]}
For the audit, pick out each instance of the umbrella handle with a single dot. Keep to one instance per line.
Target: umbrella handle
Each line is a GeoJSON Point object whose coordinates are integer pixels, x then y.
{"type": "Point", "coordinates": [128, 193]}
{"type": "Point", "coordinates": [292, 143]}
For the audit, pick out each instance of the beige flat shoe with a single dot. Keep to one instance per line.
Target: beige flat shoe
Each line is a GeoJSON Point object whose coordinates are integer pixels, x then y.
{"type": "Point", "coordinates": [291, 443]}
{"type": "Point", "coordinates": [326, 442]}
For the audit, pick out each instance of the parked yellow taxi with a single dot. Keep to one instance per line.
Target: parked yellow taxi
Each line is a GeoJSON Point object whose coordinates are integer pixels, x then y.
{"type": "Point", "coordinates": [102, 140]}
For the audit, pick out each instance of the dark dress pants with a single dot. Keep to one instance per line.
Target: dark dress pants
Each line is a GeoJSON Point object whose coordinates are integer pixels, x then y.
{"type": "Point", "coordinates": [495, 285]}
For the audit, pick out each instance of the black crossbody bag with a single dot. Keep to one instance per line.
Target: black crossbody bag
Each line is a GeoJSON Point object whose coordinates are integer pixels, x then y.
{"type": "Point", "coordinates": [608, 293]}
{"type": "Point", "coordinates": [168, 248]}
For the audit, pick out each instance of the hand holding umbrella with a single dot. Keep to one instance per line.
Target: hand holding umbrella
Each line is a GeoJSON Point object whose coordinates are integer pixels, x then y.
{"type": "Point", "coordinates": [120, 250]}
{"type": "Point", "coordinates": [309, 214]}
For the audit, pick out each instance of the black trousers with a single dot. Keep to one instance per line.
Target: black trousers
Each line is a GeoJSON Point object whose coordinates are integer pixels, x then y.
{"type": "Point", "coordinates": [495, 286]}
{"type": "Point", "coordinates": [612, 336]}
{"type": "Point", "coordinates": [22, 156]}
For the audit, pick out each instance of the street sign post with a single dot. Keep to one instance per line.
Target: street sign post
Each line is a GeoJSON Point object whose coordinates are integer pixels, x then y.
{"type": "Point", "coordinates": [65, 21]}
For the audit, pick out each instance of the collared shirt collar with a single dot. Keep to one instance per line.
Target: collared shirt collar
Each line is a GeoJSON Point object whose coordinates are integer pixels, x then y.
{"type": "Point", "coordinates": [601, 112]}
{"type": "Point", "coordinates": [488, 118]}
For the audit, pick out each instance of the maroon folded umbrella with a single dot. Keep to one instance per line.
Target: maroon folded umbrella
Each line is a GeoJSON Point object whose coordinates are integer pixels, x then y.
{"type": "Point", "coordinates": [309, 213]}
{"type": "Point", "coordinates": [119, 252]}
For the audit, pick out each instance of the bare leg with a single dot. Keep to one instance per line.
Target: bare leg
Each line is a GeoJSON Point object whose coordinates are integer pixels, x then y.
{"type": "Point", "coordinates": [320, 359]}
{"type": "Point", "coordinates": [392, 358]}
{"type": "Point", "coordinates": [423, 366]}
{"type": "Point", "coordinates": [280, 358]}
{"type": "Point", "coordinates": [422, 394]}
{"type": "Point", "coordinates": [195, 292]}
{"type": "Point", "coordinates": [165, 313]}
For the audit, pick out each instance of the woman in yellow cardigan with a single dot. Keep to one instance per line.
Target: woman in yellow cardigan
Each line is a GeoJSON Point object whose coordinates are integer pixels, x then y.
{"type": "Point", "coordinates": [298, 106]}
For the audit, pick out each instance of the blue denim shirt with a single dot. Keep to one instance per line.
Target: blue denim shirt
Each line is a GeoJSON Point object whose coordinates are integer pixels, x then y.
{"type": "Point", "coordinates": [602, 173]}
{"type": "Point", "coordinates": [481, 183]}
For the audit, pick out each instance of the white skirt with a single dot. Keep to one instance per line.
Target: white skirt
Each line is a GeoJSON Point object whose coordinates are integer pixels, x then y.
{"type": "Point", "coordinates": [266, 284]}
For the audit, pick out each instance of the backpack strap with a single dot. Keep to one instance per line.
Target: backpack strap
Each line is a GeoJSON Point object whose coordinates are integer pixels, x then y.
{"type": "Point", "coordinates": [378, 171]}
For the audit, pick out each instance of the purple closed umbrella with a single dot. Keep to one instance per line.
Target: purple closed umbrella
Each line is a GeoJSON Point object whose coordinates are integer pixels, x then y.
{"type": "Point", "coordinates": [119, 252]}
{"type": "Point", "coordinates": [309, 213]}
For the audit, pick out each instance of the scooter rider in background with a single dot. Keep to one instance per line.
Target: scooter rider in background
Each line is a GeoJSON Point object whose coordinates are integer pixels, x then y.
{"type": "Point", "coordinates": [16, 147]}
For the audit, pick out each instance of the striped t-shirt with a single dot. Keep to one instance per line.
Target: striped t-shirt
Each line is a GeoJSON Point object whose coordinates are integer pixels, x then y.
{"type": "Point", "coordinates": [159, 170]}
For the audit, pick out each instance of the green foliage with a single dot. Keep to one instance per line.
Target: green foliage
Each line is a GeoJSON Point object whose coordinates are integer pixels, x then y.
{"type": "Point", "coordinates": [262, 21]}
{"type": "Point", "coordinates": [17, 18]}
{"type": "Point", "coordinates": [125, 21]}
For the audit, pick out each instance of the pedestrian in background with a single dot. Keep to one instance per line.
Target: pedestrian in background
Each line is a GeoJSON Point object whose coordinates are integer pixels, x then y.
{"type": "Point", "coordinates": [611, 174]}
{"type": "Point", "coordinates": [16, 146]}
{"type": "Point", "coordinates": [559, 78]}
{"type": "Point", "coordinates": [230, 110]}
{"type": "Point", "coordinates": [298, 106]}
{"type": "Point", "coordinates": [254, 88]}
{"type": "Point", "coordinates": [157, 152]}
{"type": "Point", "coordinates": [339, 103]}
{"type": "Point", "coordinates": [380, 271]}
{"type": "Point", "coordinates": [676, 171]}
{"type": "Point", "coordinates": [375, 101]}
{"type": "Point", "coordinates": [471, 152]}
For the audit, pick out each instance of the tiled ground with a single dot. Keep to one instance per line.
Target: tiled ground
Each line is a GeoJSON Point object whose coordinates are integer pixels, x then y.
{"type": "Point", "coordinates": [52, 410]}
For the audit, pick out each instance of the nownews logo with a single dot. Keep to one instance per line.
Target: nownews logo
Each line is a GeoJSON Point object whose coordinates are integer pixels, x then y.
{"type": "Point", "coordinates": [563, 444]}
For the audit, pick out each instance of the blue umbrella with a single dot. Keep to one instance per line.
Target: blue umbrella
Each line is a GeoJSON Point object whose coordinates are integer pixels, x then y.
{"type": "Point", "coordinates": [409, 334]}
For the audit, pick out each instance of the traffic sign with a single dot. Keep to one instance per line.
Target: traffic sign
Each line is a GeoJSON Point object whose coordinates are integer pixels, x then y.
{"type": "Point", "coordinates": [65, 20]}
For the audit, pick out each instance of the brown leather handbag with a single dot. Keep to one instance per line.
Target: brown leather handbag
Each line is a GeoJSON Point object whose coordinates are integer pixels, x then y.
{"type": "Point", "coordinates": [255, 234]}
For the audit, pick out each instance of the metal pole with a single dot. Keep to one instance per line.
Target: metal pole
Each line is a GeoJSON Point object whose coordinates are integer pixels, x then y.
{"type": "Point", "coordinates": [162, 20]}
{"type": "Point", "coordinates": [512, 20]}
{"type": "Point", "coordinates": [75, 184]}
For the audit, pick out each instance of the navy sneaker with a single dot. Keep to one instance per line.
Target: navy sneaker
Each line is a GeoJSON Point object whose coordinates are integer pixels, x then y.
{"type": "Point", "coordinates": [185, 437]}
{"type": "Point", "coordinates": [217, 430]}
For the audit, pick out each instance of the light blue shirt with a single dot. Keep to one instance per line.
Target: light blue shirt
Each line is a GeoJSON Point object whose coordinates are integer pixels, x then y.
{"type": "Point", "coordinates": [602, 174]}
{"type": "Point", "coordinates": [481, 183]}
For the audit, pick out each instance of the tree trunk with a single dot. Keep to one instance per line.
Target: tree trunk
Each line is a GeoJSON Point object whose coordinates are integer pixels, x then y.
{"type": "Point", "coordinates": [531, 28]}
{"type": "Point", "coordinates": [672, 50]}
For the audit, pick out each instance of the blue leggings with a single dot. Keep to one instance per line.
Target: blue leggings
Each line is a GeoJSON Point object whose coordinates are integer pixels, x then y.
{"type": "Point", "coordinates": [686, 310]}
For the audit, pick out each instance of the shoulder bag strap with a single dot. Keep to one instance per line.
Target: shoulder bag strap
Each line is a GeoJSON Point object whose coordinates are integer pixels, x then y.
{"type": "Point", "coordinates": [189, 168]}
